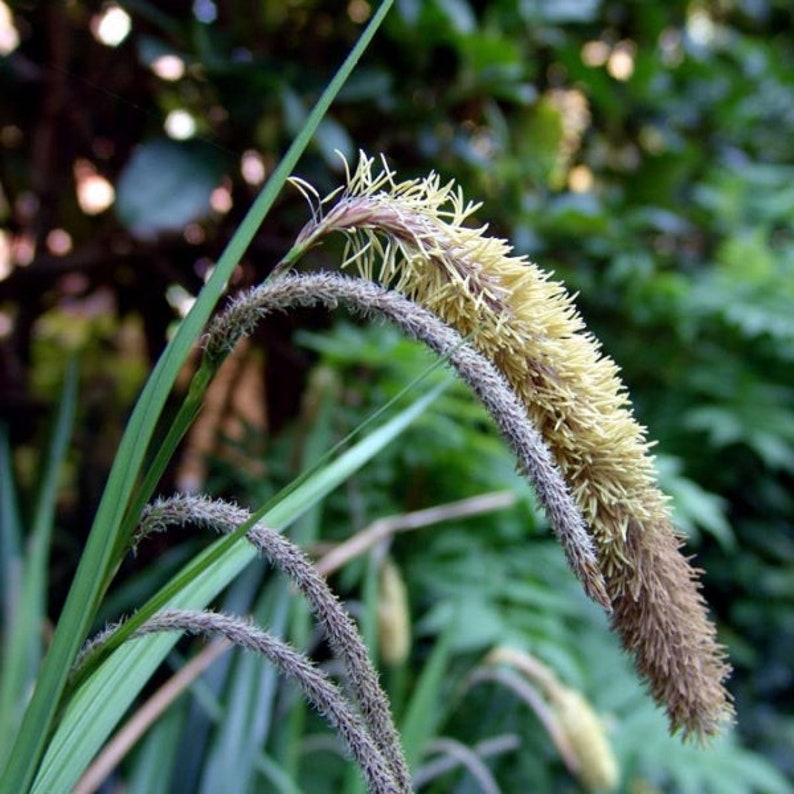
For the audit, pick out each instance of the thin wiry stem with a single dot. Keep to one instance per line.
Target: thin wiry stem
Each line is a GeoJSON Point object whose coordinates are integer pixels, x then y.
{"type": "Point", "coordinates": [467, 757]}
{"type": "Point", "coordinates": [526, 692]}
{"type": "Point", "coordinates": [383, 528]}
{"type": "Point", "coordinates": [498, 745]}
{"type": "Point", "coordinates": [342, 634]}
{"type": "Point", "coordinates": [322, 693]}
{"type": "Point", "coordinates": [474, 368]}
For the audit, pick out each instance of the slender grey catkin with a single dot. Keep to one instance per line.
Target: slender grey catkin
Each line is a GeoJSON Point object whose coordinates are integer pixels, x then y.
{"type": "Point", "coordinates": [322, 693]}
{"type": "Point", "coordinates": [335, 622]}
{"type": "Point", "coordinates": [476, 370]}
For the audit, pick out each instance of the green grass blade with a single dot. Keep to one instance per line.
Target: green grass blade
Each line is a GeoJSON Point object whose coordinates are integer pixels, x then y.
{"type": "Point", "coordinates": [87, 588]}
{"type": "Point", "coordinates": [279, 779]}
{"type": "Point", "coordinates": [153, 770]}
{"type": "Point", "coordinates": [11, 533]}
{"type": "Point", "coordinates": [11, 583]}
{"type": "Point", "coordinates": [100, 703]}
{"type": "Point", "coordinates": [251, 700]}
{"type": "Point", "coordinates": [424, 708]}
{"type": "Point", "coordinates": [22, 648]}
{"type": "Point", "coordinates": [36, 579]}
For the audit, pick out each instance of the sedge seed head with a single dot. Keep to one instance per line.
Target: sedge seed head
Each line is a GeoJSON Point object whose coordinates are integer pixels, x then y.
{"type": "Point", "coordinates": [413, 236]}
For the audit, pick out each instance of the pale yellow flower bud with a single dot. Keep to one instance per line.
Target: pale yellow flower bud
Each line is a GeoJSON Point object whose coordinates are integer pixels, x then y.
{"type": "Point", "coordinates": [598, 768]}
{"type": "Point", "coordinates": [394, 617]}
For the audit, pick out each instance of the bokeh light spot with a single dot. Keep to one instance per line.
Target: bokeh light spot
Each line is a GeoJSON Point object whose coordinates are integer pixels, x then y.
{"type": "Point", "coordinates": [168, 67]}
{"type": "Point", "coordinates": [180, 125]}
{"type": "Point", "coordinates": [94, 193]}
{"type": "Point", "coordinates": [252, 167]}
{"type": "Point", "coordinates": [111, 26]}
{"type": "Point", "coordinates": [59, 242]}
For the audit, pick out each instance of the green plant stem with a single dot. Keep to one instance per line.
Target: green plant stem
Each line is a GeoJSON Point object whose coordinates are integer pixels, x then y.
{"type": "Point", "coordinates": [97, 560]}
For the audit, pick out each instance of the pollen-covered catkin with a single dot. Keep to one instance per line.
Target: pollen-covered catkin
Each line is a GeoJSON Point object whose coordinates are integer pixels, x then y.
{"type": "Point", "coordinates": [411, 236]}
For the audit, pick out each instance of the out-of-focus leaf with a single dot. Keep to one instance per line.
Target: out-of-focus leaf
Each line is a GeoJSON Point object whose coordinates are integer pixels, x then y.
{"type": "Point", "coordinates": [367, 85]}
{"type": "Point", "coordinates": [459, 13]}
{"type": "Point", "coordinates": [478, 624]}
{"type": "Point", "coordinates": [331, 139]}
{"type": "Point", "coordinates": [559, 11]}
{"type": "Point", "coordinates": [166, 185]}
{"type": "Point", "coordinates": [747, 256]}
{"type": "Point", "coordinates": [755, 418]}
{"type": "Point", "coordinates": [409, 10]}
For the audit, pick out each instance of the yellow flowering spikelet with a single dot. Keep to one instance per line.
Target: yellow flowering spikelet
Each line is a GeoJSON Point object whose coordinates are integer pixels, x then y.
{"type": "Point", "coordinates": [578, 732]}
{"type": "Point", "coordinates": [411, 237]}
{"type": "Point", "coordinates": [598, 769]}
{"type": "Point", "coordinates": [394, 617]}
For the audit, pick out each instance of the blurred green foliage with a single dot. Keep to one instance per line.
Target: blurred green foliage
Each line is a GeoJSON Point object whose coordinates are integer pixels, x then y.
{"type": "Point", "coordinates": [642, 151]}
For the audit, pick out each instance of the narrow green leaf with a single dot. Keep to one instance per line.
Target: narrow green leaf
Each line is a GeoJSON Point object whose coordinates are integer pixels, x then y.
{"type": "Point", "coordinates": [11, 579]}
{"type": "Point", "coordinates": [251, 701]}
{"type": "Point", "coordinates": [10, 534]}
{"type": "Point", "coordinates": [153, 770]}
{"type": "Point", "coordinates": [22, 648]}
{"type": "Point", "coordinates": [422, 714]}
{"type": "Point", "coordinates": [277, 777]}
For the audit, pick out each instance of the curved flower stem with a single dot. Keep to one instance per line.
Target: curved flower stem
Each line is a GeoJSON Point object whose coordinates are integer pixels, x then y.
{"type": "Point", "coordinates": [435, 768]}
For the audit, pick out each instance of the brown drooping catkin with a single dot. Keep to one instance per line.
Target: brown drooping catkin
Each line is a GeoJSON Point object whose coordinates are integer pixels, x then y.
{"type": "Point", "coordinates": [412, 237]}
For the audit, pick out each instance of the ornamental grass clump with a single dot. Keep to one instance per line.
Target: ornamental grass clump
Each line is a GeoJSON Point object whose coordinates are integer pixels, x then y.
{"type": "Point", "coordinates": [412, 237]}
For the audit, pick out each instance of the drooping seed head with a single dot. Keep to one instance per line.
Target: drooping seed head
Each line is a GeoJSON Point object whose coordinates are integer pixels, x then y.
{"type": "Point", "coordinates": [412, 236]}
